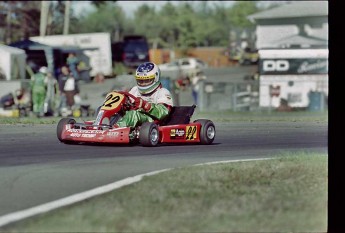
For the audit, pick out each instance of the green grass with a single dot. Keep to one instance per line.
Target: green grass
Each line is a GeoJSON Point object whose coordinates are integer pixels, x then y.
{"type": "Point", "coordinates": [220, 116]}
{"type": "Point", "coordinates": [287, 194]}
{"type": "Point", "coordinates": [230, 116]}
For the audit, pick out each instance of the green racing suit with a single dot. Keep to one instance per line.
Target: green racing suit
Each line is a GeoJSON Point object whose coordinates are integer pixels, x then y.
{"type": "Point", "coordinates": [160, 99]}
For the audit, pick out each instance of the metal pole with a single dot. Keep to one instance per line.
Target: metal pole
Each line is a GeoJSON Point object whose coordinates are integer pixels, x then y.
{"type": "Point", "coordinates": [234, 96]}
{"type": "Point", "coordinates": [270, 105]}
{"type": "Point", "coordinates": [67, 17]}
{"type": "Point", "coordinates": [44, 17]}
{"type": "Point", "coordinates": [8, 32]}
{"type": "Point", "coordinates": [201, 98]}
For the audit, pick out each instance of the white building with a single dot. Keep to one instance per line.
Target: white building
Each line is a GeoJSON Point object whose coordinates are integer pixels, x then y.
{"type": "Point", "coordinates": [293, 47]}
{"type": "Point", "coordinates": [12, 63]}
{"type": "Point", "coordinates": [96, 46]}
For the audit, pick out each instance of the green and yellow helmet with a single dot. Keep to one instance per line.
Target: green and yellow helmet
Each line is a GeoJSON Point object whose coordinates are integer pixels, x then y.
{"type": "Point", "coordinates": [147, 76]}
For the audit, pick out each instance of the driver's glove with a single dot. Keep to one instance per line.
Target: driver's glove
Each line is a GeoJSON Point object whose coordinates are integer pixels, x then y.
{"type": "Point", "coordinates": [140, 103]}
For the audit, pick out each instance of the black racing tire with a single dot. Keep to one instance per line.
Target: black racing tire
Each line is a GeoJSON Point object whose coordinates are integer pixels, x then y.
{"type": "Point", "coordinates": [149, 134]}
{"type": "Point", "coordinates": [61, 125]}
{"type": "Point", "coordinates": [207, 131]}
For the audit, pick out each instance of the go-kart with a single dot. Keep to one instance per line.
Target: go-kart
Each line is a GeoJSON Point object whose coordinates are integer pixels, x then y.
{"type": "Point", "coordinates": [175, 128]}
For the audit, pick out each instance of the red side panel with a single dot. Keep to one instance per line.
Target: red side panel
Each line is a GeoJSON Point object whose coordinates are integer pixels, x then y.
{"type": "Point", "coordinates": [187, 133]}
{"type": "Point", "coordinates": [118, 135]}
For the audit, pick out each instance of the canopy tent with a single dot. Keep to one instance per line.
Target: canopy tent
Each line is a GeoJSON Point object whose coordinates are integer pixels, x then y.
{"type": "Point", "coordinates": [28, 44]}
{"type": "Point", "coordinates": [12, 63]}
{"type": "Point", "coordinates": [39, 54]}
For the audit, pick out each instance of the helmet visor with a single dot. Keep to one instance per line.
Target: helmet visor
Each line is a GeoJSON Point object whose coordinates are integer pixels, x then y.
{"type": "Point", "coordinates": [144, 81]}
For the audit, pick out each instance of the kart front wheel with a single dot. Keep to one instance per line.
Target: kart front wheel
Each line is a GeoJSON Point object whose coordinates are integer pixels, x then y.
{"type": "Point", "coordinates": [61, 125]}
{"type": "Point", "coordinates": [207, 132]}
{"type": "Point", "coordinates": [149, 134]}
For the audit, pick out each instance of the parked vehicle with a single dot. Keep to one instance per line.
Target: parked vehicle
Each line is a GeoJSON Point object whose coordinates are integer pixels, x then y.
{"type": "Point", "coordinates": [187, 66]}
{"type": "Point", "coordinates": [132, 51]}
{"type": "Point", "coordinates": [246, 56]}
{"type": "Point", "coordinates": [17, 104]}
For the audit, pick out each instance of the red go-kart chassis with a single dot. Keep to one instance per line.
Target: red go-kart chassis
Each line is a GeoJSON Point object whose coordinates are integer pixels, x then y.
{"type": "Point", "coordinates": [148, 134]}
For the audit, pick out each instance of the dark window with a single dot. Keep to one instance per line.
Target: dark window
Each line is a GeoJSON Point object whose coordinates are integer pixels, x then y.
{"type": "Point", "coordinates": [133, 46]}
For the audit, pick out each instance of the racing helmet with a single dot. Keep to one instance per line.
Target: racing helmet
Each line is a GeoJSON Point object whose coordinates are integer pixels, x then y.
{"type": "Point", "coordinates": [147, 76]}
{"type": "Point", "coordinates": [43, 70]}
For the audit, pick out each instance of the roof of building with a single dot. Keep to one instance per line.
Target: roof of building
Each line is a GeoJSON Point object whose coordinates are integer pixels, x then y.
{"type": "Point", "coordinates": [299, 40]}
{"type": "Point", "coordinates": [11, 49]}
{"type": "Point", "coordinates": [26, 44]}
{"type": "Point", "coordinates": [293, 10]}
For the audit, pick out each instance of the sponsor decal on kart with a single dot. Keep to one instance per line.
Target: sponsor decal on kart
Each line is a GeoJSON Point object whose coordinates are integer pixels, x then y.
{"type": "Point", "coordinates": [191, 132]}
{"type": "Point", "coordinates": [113, 134]}
{"type": "Point", "coordinates": [177, 133]}
{"type": "Point", "coordinates": [75, 135]}
{"type": "Point", "coordinates": [83, 135]}
{"type": "Point", "coordinates": [83, 131]}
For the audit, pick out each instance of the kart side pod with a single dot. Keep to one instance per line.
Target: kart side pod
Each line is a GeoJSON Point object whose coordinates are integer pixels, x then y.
{"type": "Point", "coordinates": [200, 131]}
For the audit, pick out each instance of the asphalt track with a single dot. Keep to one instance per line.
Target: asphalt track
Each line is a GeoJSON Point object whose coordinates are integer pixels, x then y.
{"type": "Point", "coordinates": [35, 168]}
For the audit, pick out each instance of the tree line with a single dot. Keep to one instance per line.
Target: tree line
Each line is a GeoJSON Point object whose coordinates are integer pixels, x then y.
{"type": "Point", "coordinates": [182, 25]}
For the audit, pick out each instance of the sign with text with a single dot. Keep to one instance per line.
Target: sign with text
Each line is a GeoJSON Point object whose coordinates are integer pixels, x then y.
{"type": "Point", "coordinates": [293, 66]}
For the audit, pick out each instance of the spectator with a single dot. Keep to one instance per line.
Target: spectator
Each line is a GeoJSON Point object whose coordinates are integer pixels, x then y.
{"type": "Point", "coordinates": [72, 62]}
{"type": "Point", "coordinates": [71, 89]}
{"type": "Point", "coordinates": [39, 89]}
{"type": "Point", "coordinates": [63, 76]}
{"type": "Point", "coordinates": [196, 85]}
{"type": "Point", "coordinates": [179, 85]}
{"type": "Point", "coordinates": [52, 95]}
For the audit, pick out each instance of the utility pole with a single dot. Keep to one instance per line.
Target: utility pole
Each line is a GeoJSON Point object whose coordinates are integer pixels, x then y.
{"type": "Point", "coordinates": [8, 31]}
{"type": "Point", "coordinates": [44, 17]}
{"type": "Point", "coordinates": [67, 17]}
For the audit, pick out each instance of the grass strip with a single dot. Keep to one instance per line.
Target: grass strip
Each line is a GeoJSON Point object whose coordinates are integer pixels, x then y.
{"type": "Point", "coordinates": [287, 194]}
{"type": "Point", "coordinates": [219, 116]}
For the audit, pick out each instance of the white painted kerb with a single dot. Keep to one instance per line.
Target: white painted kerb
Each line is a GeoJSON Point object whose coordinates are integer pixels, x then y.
{"type": "Point", "coordinates": [22, 214]}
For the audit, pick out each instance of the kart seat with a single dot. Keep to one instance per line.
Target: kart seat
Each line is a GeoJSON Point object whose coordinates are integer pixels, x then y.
{"type": "Point", "coordinates": [179, 115]}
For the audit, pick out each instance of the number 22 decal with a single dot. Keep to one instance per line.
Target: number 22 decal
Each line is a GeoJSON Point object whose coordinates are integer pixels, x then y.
{"type": "Point", "coordinates": [191, 132]}
{"type": "Point", "coordinates": [111, 101]}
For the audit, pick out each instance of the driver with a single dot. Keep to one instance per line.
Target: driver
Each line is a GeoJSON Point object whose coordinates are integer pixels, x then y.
{"type": "Point", "coordinates": [153, 101]}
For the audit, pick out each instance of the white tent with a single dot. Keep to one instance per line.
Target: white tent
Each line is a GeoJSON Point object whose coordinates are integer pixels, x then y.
{"type": "Point", "coordinates": [12, 63]}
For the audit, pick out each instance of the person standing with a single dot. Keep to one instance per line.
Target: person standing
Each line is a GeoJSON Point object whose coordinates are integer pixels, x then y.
{"type": "Point", "coordinates": [196, 85]}
{"type": "Point", "coordinates": [39, 89]}
{"type": "Point", "coordinates": [63, 76]}
{"type": "Point", "coordinates": [51, 102]}
{"type": "Point", "coordinates": [72, 62]}
{"type": "Point", "coordinates": [70, 89]}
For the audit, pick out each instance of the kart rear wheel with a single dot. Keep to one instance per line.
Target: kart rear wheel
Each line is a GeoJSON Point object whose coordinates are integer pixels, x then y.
{"type": "Point", "coordinates": [149, 134]}
{"type": "Point", "coordinates": [207, 132]}
{"type": "Point", "coordinates": [61, 125]}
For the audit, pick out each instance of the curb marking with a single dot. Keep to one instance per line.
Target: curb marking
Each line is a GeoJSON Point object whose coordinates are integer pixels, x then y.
{"type": "Point", "coordinates": [69, 200]}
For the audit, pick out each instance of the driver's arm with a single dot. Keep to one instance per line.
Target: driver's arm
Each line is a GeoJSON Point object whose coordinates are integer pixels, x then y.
{"type": "Point", "coordinates": [162, 107]}
{"type": "Point", "coordinates": [160, 111]}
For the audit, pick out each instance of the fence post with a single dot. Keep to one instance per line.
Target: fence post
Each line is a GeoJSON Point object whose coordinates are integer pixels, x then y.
{"type": "Point", "coordinates": [234, 97]}
{"type": "Point", "coordinates": [201, 96]}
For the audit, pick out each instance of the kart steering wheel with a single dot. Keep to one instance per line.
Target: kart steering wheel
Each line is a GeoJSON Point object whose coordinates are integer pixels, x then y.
{"type": "Point", "coordinates": [131, 103]}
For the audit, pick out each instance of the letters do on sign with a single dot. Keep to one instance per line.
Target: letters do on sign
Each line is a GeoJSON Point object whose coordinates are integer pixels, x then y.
{"type": "Point", "coordinates": [274, 90]}
{"type": "Point", "coordinates": [276, 65]}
